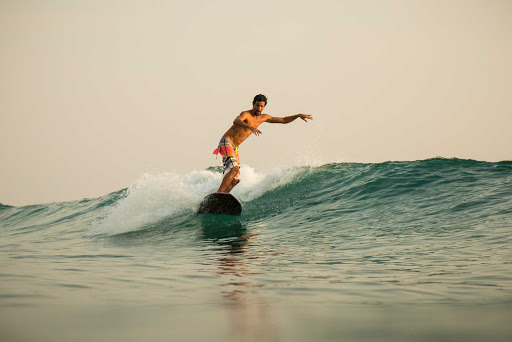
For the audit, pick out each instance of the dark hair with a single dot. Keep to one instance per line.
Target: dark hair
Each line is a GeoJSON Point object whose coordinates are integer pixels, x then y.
{"type": "Point", "coordinates": [260, 98]}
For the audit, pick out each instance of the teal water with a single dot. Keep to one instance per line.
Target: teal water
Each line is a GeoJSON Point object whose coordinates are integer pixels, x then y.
{"type": "Point", "coordinates": [412, 251]}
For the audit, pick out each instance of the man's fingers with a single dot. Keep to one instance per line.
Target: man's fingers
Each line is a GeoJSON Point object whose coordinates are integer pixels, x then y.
{"type": "Point", "coordinates": [305, 116]}
{"type": "Point", "coordinates": [256, 131]}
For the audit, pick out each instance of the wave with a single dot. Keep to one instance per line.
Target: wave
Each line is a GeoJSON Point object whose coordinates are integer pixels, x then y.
{"type": "Point", "coordinates": [155, 197]}
{"type": "Point", "coordinates": [450, 191]}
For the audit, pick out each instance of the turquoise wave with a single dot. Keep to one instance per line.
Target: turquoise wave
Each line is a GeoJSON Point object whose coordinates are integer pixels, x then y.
{"type": "Point", "coordinates": [392, 196]}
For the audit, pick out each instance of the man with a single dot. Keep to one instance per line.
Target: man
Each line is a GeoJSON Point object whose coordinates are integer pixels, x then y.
{"type": "Point", "coordinates": [244, 125]}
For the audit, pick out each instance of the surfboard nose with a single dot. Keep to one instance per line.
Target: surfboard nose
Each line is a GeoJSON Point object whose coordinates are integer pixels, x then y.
{"type": "Point", "coordinates": [220, 203]}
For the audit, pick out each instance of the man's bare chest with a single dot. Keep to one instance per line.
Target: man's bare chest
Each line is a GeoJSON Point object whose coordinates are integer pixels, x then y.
{"type": "Point", "coordinates": [253, 122]}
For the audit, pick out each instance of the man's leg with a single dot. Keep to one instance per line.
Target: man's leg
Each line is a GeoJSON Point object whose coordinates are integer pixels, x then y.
{"type": "Point", "coordinates": [228, 179]}
{"type": "Point", "coordinates": [234, 182]}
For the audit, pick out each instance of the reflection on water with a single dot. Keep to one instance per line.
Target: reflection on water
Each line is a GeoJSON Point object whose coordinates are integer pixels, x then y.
{"type": "Point", "coordinates": [250, 313]}
{"type": "Point", "coordinates": [217, 227]}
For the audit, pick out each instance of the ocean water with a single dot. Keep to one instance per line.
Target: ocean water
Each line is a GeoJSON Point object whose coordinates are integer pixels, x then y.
{"type": "Point", "coordinates": [395, 251]}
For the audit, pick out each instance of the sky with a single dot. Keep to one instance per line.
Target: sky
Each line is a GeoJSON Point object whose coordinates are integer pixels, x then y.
{"type": "Point", "coordinates": [93, 94]}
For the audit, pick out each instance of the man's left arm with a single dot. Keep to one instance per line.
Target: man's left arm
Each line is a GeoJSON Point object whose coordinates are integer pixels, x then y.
{"type": "Point", "coordinates": [287, 119]}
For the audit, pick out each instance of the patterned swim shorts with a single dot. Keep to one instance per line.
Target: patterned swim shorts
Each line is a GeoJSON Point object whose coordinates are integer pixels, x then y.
{"type": "Point", "coordinates": [229, 153]}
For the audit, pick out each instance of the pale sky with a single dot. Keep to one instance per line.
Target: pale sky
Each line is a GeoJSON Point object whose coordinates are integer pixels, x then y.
{"type": "Point", "coordinates": [93, 94]}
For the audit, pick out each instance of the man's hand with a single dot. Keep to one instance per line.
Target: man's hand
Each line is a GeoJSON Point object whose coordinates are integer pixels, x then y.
{"type": "Point", "coordinates": [255, 131]}
{"type": "Point", "coordinates": [305, 116]}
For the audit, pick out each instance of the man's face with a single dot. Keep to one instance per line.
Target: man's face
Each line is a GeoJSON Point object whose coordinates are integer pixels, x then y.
{"type": "Point", "coordinates": [257, 107]}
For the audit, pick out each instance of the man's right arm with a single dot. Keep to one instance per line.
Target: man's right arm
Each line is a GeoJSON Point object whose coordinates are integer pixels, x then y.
{"type": "Point", "coordinates": [240, 122]}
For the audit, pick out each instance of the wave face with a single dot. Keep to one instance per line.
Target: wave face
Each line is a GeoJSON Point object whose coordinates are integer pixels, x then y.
{"type": "Point", "coordinates": [396, 196]}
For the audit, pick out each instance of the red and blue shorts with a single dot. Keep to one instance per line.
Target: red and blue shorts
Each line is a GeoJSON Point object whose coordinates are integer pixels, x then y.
{"type": "Point", "coordinates": [229, 153]}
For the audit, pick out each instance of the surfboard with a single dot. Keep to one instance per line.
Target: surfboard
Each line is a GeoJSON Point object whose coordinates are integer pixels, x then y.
{"type": "Point", "coordinates": [220, 203]}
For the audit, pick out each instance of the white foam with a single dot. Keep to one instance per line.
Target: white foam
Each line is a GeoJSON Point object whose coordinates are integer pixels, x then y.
{"type": "Point", "coordinates": [154, 197]}
{"type": "Point", "coordinates": [253, 184]}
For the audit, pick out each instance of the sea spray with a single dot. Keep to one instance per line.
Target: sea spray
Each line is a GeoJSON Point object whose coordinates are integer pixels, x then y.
{"type": "Point", "coordinates": [155, 197]}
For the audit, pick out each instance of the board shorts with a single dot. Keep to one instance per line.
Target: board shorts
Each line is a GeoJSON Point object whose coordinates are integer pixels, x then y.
{"type": "Point", "coordinates": [229, 153]}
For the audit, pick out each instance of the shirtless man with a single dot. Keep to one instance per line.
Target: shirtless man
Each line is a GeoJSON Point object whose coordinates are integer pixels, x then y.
{"type": "Point", "coordinates": [244, 125]}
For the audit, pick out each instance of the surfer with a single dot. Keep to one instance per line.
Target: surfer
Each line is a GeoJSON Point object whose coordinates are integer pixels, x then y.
{"type": "Point", "coordinates": [243, 126]}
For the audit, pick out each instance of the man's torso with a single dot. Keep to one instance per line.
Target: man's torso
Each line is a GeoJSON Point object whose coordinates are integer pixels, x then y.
{"type": "Point", "coordinates": [237, 134]}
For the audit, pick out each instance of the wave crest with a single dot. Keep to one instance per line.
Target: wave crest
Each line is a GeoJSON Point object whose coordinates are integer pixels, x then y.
{"type": "Point", "coordinates": [155, 197]}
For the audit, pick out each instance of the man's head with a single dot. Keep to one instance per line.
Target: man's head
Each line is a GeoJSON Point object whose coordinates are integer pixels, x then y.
{"type": "Point", "coordinates": [259, 102]}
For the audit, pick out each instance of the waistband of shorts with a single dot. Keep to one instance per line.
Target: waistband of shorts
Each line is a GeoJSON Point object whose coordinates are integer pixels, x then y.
{"type": "Point", "coordinates": [225, 141]}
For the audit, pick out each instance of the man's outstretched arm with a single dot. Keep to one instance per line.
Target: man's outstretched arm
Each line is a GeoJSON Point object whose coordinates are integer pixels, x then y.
{"type": "Point", "coordinates": [287, 119]}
